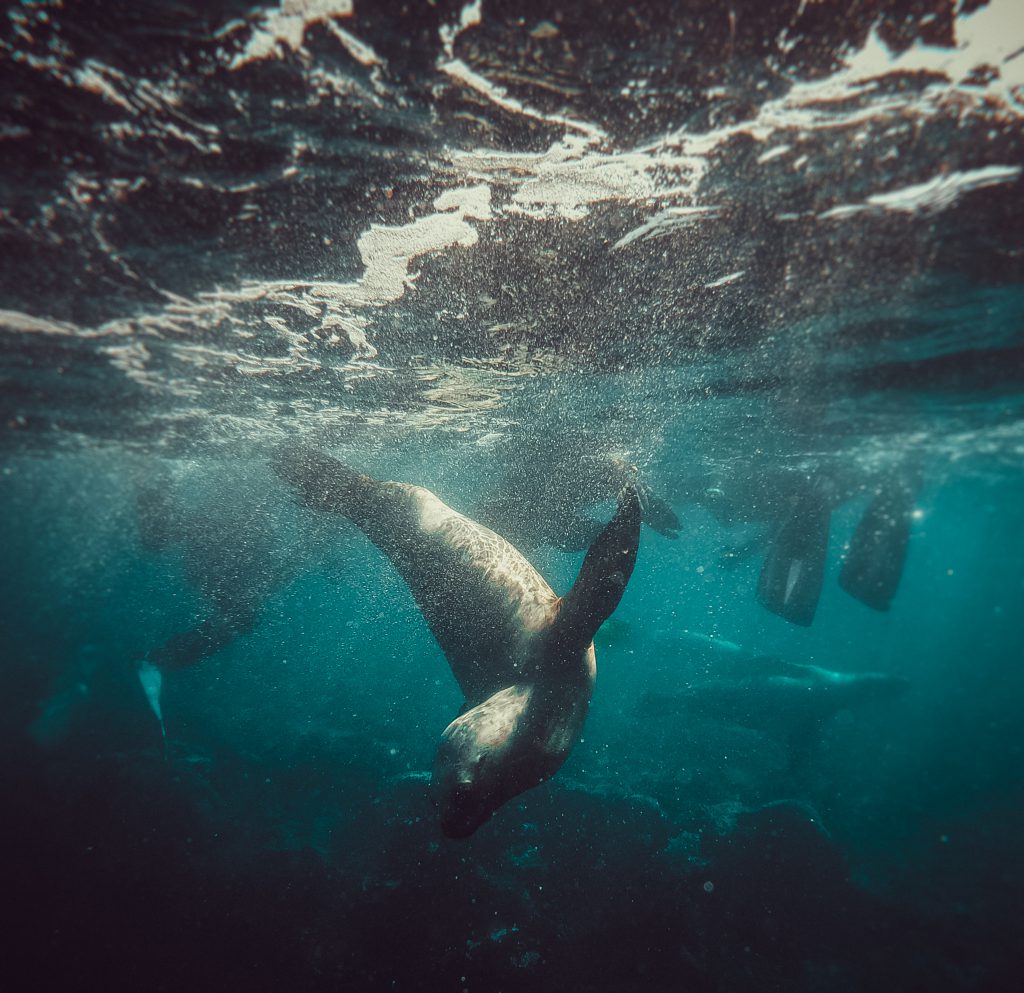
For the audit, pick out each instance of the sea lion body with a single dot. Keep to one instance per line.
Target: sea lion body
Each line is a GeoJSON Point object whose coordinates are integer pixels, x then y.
{"type": "Point", "coordinates": [523, 657]}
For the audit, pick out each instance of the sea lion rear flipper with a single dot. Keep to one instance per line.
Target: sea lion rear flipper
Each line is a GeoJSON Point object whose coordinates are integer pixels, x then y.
{"type": "Point", "coordinates": [322, 482]}
{"type": "Point", "coordinates": [878, 549]}
{"type": "Point", "coordinates": [791, 578]}
{"type": "Point", "coordinates": [603, 577]}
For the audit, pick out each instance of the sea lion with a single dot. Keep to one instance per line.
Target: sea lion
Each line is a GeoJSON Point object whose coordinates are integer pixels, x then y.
{"type": "Point", "coordinates": [788, 701]}
{"type": "Point", "coordinates": [797, 507]}
{"type": "Point", "coordinates": [523, 657]}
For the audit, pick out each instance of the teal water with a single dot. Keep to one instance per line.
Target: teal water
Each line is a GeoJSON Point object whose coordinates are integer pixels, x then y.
{"type": "Point", "coordinates": [285, 831]}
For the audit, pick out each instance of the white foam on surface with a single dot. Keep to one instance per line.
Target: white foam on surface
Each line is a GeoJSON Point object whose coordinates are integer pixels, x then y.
{"type": "Point", "coordinates": [664, 222]}
{"type": "Point", "coordinates": [980, 77]}
{"type": "Point", "coordinates": [936, 194]}
{"type": "Point", "coordinates": [990, 39]}
{"type": "Point", "coordinates": [572, 176]}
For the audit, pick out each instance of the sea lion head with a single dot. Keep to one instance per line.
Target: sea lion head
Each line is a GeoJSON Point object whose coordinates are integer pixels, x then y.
{"type": "Point", "coordinates": [484, 759]}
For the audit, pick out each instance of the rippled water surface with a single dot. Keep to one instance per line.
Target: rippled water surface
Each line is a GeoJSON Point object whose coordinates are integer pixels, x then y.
{"type": "Point", "coordinates": [764, 258]}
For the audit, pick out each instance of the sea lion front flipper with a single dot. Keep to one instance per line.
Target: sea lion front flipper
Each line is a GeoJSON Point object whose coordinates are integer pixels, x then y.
{"type": "Point", "coordinates": [152, 680]}
{"type": "Point", "coordinates": [603, 577]}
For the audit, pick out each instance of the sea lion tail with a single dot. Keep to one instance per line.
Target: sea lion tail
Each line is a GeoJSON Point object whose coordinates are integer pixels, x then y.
{"type": "Point", "coordinates": [322, 482]}
{"type": "Point", "coordinates": [605, 572]}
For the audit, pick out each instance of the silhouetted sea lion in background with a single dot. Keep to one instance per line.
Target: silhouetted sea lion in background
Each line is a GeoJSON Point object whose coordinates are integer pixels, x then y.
{"type": "Point", "coordinates": [797, 507]}
{"type": "Point", "coordinates": [541, 500]}
{"type": "Point", "coordinates": [523, 657]}
{"type": "Point", "coordinates": [788, 701]}
{"type": "Point", "coordinates": [228, 554]}
{"type": "Point", "coordinates": [233, 551]}
{"type": "Point", "coordinates": [794, 567]}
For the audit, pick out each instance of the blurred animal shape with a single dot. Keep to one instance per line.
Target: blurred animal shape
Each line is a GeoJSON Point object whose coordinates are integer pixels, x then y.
{"type": "Point", "coordinates": [878, 549]}
{"type": "Point", "coordinates": [523, 657]}
{"type": "Point", "coordinates": [794, 568]}
{"type": "Point", "coordinates": [797, 507]}
{"type": "Point", "coordinates": [788, 701]}
{"type": "Point", "coordinates": [223, 521]}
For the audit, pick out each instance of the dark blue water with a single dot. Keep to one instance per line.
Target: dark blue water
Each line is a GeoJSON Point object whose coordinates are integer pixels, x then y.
{"type": "Point", "coordinates": [762, 259]}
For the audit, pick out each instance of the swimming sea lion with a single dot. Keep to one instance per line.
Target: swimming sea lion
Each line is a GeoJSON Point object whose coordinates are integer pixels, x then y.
{"type": "Point", "coordinates": [523, 657]}
{"type": "Point", "coordinates": [788, 701]}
